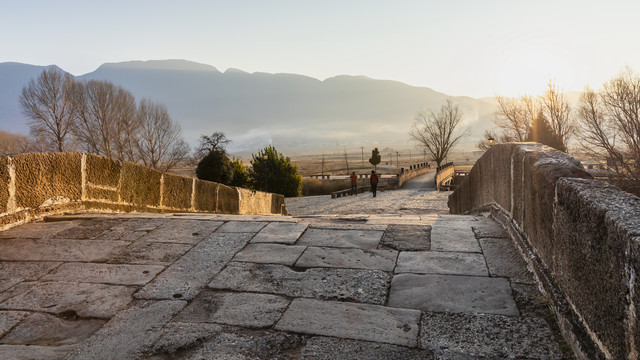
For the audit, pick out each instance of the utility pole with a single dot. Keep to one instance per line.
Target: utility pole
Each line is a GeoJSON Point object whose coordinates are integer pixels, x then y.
{"type": "Point", "coordinates": [346, 159]}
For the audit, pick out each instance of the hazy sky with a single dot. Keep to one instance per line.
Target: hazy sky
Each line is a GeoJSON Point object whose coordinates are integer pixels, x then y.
{"type": "Point", "coordinates": [473, 47]}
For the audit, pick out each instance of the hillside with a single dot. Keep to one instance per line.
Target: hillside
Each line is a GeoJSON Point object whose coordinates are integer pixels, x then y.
{"type": "Point", "coordinates": [293, 112]}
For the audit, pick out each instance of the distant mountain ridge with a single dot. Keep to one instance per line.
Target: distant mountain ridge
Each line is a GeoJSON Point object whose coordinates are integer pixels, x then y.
{"type": "Point", "coordinates": [293, 112]}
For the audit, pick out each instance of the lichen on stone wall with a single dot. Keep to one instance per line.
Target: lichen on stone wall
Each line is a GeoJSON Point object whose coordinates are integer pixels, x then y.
{"type": "Point", "coordinates": [103, 171]}
{"type": "Point", "coordinates": [4, 184]}
{"type": "Point", "coordinates": [176, 192]}
{"type": "Point", "coordinates": [40, 177]}
{"type": "Point", "coordinates": [140, 185]}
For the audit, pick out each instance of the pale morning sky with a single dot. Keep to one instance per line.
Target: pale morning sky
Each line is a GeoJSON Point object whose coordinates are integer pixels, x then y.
{"type": "Point", "coordinates": [472, 47]}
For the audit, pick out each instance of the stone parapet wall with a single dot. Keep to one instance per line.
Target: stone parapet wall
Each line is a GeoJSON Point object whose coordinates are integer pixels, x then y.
{"type": "Point", "coordinates": [580, 236]}
{"type": "Point", "coordinates": [37, 184]}
{"type": "Point", "coordinates": [444, 172]}
{"type": "Point", "coordinates": [413, 171]}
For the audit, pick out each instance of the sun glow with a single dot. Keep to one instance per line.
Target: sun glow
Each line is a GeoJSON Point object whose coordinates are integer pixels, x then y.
{"type": "Point", "coordinates": [527, 71]}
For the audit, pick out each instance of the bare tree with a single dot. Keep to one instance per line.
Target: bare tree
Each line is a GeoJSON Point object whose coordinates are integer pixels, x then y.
{"type": "Point", "coordinates": [14, 143]}
{"type": "Point", "coordinates": [49, 102]}
{"type": "Point", "coordinates": [160, 143]}
{"type": "Point", "coordinates": [437, 131]}
{"type": "Point", "coordinates": [610, 126]}
{"type": "Point", "coordinates": [514, 117]}
{"type": "Point", "coordinates": [556, 109]}
{"type": "Point", "coordinates": [106, 120]}
{"type": "Point", "coordinates": [217, 141]}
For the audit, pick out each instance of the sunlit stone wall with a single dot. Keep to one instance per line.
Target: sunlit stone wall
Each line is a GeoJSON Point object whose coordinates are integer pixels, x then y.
{"type": "Point", "coordinates": [38, 184]}
{"type": "Point", "coordinates": [580, 236]}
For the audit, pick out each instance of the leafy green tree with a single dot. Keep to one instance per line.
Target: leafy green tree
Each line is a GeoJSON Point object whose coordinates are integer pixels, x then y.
{"type": "Point", "coordinates": [240, 176]}
{"type": "Point", "coordinates": [273, 172]}
{"type": "Point", "coordinates": [215, 166]}
{"type": "Point", "coordinates": [375, 158]}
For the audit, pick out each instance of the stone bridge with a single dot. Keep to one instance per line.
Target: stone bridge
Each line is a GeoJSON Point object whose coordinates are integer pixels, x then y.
{"type": "Point", "coordinates": [391, 277]}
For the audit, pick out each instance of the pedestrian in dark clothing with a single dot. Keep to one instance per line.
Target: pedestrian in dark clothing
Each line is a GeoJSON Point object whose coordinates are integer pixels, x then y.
{"type": "Point", "coordinates": [373, 180]}
{"type": "Point", "coordinates": [354, 183]}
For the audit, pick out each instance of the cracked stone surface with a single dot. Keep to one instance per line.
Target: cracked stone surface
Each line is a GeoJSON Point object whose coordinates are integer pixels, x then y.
{"type": "Point", "coordinates": [390, 277]}
{"type": "Point", "coordinates": [407, 237]}
{"type": "Point", "coordinates": [366, 286]}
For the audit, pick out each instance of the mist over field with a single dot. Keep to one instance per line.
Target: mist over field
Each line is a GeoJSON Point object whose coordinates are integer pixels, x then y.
{"type": "Point", "coordinates": [295, 113]}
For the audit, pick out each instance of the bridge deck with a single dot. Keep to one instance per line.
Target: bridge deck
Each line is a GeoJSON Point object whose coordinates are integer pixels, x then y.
{"type": "Point", "coordinates": [358, 286]}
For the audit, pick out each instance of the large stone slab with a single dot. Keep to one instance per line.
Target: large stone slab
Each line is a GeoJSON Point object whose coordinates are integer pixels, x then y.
{"type": "Point", "coordinates": [452, 293]}
{"type": "Point", "coordinates": [131, 229]}
{"type": "Point", "coordinates": [453, 238]}
{"type": "Point", "coordinates": [242, 227]}
{"type": "Point", "coordinates": [87, 229]}
{"type": "Point", "coordinates": [130, 333]}
{"type": "Point", "coordinates": [34, 352]}
{"type": "Point", "coordinates": [59, 250]}
{"type": "Point", "coordinates": [407, 237]}
{"type": "Point", "coordinates": [9, 319]}
{"type": "Point", "coordinates": [242, 309]}
{"type": "Point", "coordinates": [25, 270]}
{"type": "Point", "coordinates": [105, 273]}
{"type": "Point", "coordinates": [381, 259]}
{"type": "Point", "coordinates": [504, 260]}
{"type": "Point", "coordinates": [270, 254]}
{"type": "Point", "coordinates": [70, 299]}
{"type": "Point", "coordinates": [37, 230]}
{"type": "Point", "coordinates": [467, 336]}
{"type": "Point", "coordinates": [187, 276]}
{"type": "Point", "coordinates": [328, 348]}
{"type": "Point", "coordinates": [438, 262]}
{"type": "Point", "coordinates": [151, 253]}
{"type": "Point", "coordinates": [47, 330]}
{"type": "Point", "coordinates": [280, 232]}
{"type": "Point", "coordinates": [362, 239]}
{"type": "Point", "coordinates": [212, 341]}
{"type": "Point", "coordinates": [368, 286]}
{"type": "Point", "coordinates": [352, 321]}
{"type": "Point", "coordinates": [182, 231]}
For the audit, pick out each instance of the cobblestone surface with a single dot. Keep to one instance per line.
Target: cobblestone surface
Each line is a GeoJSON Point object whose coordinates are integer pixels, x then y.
{"type": "Point", "coordinates": [391, 277]}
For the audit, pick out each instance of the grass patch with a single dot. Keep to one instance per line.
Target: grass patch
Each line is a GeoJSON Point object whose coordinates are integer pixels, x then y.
{"type": "Point", "coordinates": [312, 186]}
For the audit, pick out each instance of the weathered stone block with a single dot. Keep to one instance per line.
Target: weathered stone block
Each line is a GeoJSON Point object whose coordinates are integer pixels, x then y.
{"type": "Point", "coordinates": [41, 177]}
{"type": "Point", "coordinates": [253, 202]}
{"type": "Point", "coordinates": [102, 171]}
{"type": "Point", "coordinates": [542, 171]}
{"type": "Point", "coordinates": [228, 200]}
{"type": "Point", "coordinates": [206, 196]}
{"type": "Point", "coordinates": [140, 185]}
{"type": "Point", "coordinates": [176, 192]}
{"type": "Point", "coordinates": [4, 184]}
{"type": "Point", "coordinates": [277, 204]}
{"type": "Point", "coordinates": [591, 255]}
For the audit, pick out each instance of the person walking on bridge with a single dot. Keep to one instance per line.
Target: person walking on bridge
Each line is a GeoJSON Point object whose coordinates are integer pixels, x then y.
{"type": "Point", "coordinates": [373, 180]}
{"type": "Point", "coordinates": [354, 183]}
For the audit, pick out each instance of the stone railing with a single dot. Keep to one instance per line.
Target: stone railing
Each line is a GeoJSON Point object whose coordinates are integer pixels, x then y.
{"type": "Point", "coordinates": [413, 171]}
{"type": "Point", "coordinates": [444, 173]}
{"type": "Point", "coordinates": [34, 185]}
{"type": "Point", "coordinates": [580, 236]}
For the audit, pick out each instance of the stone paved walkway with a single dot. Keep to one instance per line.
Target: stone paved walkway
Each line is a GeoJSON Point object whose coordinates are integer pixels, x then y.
{"type": "Point", "coordinates": [359, 286]}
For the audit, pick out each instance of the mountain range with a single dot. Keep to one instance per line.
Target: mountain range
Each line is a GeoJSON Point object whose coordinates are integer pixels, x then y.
{"type": "Point", "coordinates": [292, 112]}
